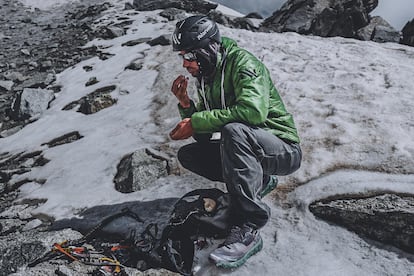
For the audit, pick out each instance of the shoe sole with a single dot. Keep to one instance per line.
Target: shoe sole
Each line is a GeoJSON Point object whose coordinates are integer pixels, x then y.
{"type": "Point", "coordinates": [240, 262]}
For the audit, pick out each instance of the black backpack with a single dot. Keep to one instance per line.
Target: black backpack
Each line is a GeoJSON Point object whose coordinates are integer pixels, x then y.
{"type": "Point", "coordinates": [201, 212]}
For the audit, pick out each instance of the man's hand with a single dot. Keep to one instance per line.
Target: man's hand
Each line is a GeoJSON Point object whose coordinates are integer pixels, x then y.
{"type": "Point", "coordinates": [183, 130]}
{"type": "Point", "coordinates": [179, 89]}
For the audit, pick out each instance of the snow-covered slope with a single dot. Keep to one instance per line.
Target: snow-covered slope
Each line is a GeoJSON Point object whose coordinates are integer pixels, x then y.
{"type": "Point", "coordinates": [352, 102]}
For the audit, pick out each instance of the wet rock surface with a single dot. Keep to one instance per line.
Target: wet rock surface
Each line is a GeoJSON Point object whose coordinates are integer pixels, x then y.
{"type": "Point", "coordinates": [387, 218]}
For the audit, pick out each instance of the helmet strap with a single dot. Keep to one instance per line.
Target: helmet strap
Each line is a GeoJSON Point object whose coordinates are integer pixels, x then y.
{"type": "Point", "coordinates": [207, 59]}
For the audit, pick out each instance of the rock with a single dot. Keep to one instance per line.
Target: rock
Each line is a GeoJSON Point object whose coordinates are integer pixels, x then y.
{"type": "Point", "coordinates": [136, 41]}
{"type": "Point", "coordinates": [6, 85]}
{"type": "Point", "coordinates": [45, 65]}
{"type": "Point", "coordinates": [173, 14]}
{"type": "Point", "coordinates": [18, 164]}
{"type": "Point", "coordinates": [37, 80]}
{"type": "Point", "coordinates": [135, 65]}
{"type": "Point", "coordinates": [25, 52]}
{"type": "Point", "coordinates": [193, 6]}
{"type": "Point", "coordinates": [384, 32]}
{"type": "Point", "coordinates": [254, 15]}
{"type": "Point", "coordinates": [95, 101]}
{"type": "Point", "coordinates": [14, 76]}
{"type": "Point", "coordinates": [232, 21]}
{"type": "Point", "coordinates": [408, 34]}
{"type": "Point", "coordinates": [64, 139]}
{"type": "Point", "coordinates": [323, 18]}
{"type": "Point", "coordinates": [10, 131]}
{"type": "Point", "coordinates": [34, 101]}
{"type": "Point", "coordinates": [91, 81]}
{"type": "Point", "coordinates": [161, 40]}
{"type": "Point", "coordinates": [368, 32]}
{"type": "Point", "coordinates": [388, 218]}
{"type": "Point", "coordinates": [110, 32]}
{"type": "Point", "coordinates": [378, 30]}
{"type": "Point", "coordinates": [138, 171]}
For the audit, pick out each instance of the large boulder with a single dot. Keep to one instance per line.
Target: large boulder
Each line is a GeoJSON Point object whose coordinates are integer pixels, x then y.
{"type": "Point", "coordinates": [142, 168]}
{"type": "Point", "coordinates": [323, 18]}
{"type": "Point", "coordinates": [32, 102]}
{"type": "Point", "coordinates": [388, 218]}
{"type": "Point", "coordinates": [379, 30]}
{"type": "Point", "coordinates": [408, 34]}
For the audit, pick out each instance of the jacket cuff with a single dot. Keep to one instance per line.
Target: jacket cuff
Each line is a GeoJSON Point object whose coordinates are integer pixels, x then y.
{"type": "Point", "coordinates": [186, 112]}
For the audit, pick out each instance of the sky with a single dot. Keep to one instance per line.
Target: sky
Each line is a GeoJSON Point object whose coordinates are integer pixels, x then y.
{"type": "Point", "coordinates": [396, 12]}
{"type": "Point", "coordinates": [350, 103]}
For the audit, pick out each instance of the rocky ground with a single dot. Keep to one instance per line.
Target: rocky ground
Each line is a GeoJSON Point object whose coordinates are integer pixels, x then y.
{"type": "Point", "coordinates": [36, 45]}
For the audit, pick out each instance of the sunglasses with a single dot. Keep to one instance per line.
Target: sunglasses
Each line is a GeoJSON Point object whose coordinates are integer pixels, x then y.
{"type": "Point", "coordinates": [189, 56]}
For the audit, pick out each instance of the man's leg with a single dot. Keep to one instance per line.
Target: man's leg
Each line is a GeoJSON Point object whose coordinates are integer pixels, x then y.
{"type": "Point", "coordinates": [203, 159]}
{"type": "Point", "coordinates": [249, 153]}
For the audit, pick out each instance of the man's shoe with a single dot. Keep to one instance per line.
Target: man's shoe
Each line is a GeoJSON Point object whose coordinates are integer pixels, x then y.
{"type": "Point", "coordinates": [270, 186]}
{"type": "Point", "coordinates": [237, 248]}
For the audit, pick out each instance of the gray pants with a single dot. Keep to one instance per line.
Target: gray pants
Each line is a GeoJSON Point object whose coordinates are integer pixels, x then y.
{"type": "Point", "coordinates": [243, 158]}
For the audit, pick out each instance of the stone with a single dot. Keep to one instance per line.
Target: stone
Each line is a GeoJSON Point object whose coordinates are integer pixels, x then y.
{"type": "Point", "coordinates": [110, 32]}
{"type": "Point", "coordinates": [161, 40]}
{"type": "Point", "coordinates": [135, 65]}
{"type": "Point", "coordinates": [233, 22]}
{"type": "Point", "coordinates": [64, 139]}
{"type": "Point", "coordinates": [91, 81]}
{"type": "Point", "coordinates": [10, 131]}
{"type": "Point", "coordinates": [138, 171]}
{"type": "Point", "coordinates": [34, 101]}
{"type": "Point", "coordinates": [379, 30]}
{"type": "Point", "coordinates": [95, 101]}
{"type": "Point", "coordinates": [408, 34]}
{"type": "Point", "coordinates": [136, 41]}
{"type": "Point", "coordinates": [387, 218]}
{"type": "Point", "coordinates": [6, 85]}
{"type": "Point", "coordinates": [14, 76]}
{"type": "Point", "coordinates": [173, 14]}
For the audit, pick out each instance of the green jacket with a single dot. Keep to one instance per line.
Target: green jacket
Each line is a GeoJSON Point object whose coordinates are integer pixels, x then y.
{"type": "Point", "coordinates": [249, 97]}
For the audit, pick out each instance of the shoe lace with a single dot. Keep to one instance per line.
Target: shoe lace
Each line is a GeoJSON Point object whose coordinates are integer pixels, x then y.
{"type": "Point", "coordinates": [236, 235]}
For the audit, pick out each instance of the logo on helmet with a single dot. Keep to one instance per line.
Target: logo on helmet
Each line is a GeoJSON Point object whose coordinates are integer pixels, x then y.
{"type": "Point", "coordinates": [203, 33]}
{"type": "Point", "coordinates": [176, 40]}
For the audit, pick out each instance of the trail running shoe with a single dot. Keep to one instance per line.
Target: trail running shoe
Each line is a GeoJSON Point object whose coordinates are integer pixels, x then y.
{"type": "Point", "coordinates": [270, 186]}
{"type": "Point", "coordinates": [237, 248]}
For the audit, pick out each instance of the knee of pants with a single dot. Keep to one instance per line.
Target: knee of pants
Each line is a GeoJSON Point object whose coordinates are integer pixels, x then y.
{"type": "Point", "coordinates": [231, 130]}
{"type": "Point", "coordinates": [183, 157]}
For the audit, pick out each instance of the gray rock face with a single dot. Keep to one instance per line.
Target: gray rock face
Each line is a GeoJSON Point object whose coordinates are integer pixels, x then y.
{"type": "Point", "coordinates": [95, 101]}
{"type": "Point", "coordinates": [329, 18]}
{"type": "Point", "coordinates": [408, 34]}
{"type": "Point", "coordinates": [33, 102]}
{"type": "Point", "coordinates": [387, 218]}
{"type": "Point", "coordinates": [141, 169]}
{"type": "Point", "coordinates": [187, 5]}
{"type": "Point", "coordinates": [379, 30]}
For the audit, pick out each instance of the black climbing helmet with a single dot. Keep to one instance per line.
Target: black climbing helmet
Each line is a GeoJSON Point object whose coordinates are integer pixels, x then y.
{"type": "Point", "coordinates": [195, 32]}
